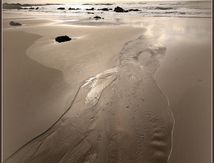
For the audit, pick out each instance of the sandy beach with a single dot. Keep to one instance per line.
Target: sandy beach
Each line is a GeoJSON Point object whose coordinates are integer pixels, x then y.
{"type": "Point", "coordinates": [133, 91]}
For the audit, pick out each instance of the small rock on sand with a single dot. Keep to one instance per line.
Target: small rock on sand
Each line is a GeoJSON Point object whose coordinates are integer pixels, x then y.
{"type": "Point", "coordinates": [62, 39]}
{"type": "Point", "coordinates": [98, 17]}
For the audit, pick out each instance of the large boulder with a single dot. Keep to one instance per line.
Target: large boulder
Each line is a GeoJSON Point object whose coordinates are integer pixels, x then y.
{"type": "Point", "coordinates": [62, 39]}
{"type": "Point", "coordinates": [119, 9]}
{"type": "Point", "coordinates": [12, 23]}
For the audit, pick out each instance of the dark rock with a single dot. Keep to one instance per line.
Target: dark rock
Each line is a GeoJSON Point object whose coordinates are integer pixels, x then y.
{"type": "Point", "coordinates": [12, 23]}
{"type": "Point", "coordinates": [105, 9]}
{"type": "Point", "coordinates": [134, 10]}
{"type": "Point", "coordinates": [31, 8]}
{"type": "Point", "coordinates": [90, 13]}
{"type": "Point", "coordinates": [37, 8]}
{"type": "Point", "coordinates": [90, 9]}
{"type": "Point", "coordinates": [119, 9]}
{"type": "Point", "coordinates": [61, 8]}
{"type": "Point", "coordinates": [98, 17]}
{"type": "Point", "coordinates": [73, 8]}
{"type": "Point", "coordinates": [62, 39]}
{"type": "Point", "coordinates": [164, 8]}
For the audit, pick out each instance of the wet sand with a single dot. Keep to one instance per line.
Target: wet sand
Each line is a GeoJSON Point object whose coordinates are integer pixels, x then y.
{"type": "Point", "coordinates": [111, 92]}
{"type": "Point", "coordinates": [29, 91]}
{"type": "Point", "coordinates": [71, 61]}
{"type": "Point", "coordinates": [187, 83]}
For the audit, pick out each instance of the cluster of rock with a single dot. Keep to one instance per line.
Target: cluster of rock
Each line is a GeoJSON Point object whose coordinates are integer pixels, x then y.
{"type": "Point", "coordinates": [105, 9]}
{"type": "Point", "coordinates": [74, 8]}
{"type": "Point", "coordinates": [120, 9]}
{"type": "Point", "coordinates": [12, 23]}
{"type": "Point", "coordinates": [116, 9]}
{"type": "Point", "coordinates": [30, 7]}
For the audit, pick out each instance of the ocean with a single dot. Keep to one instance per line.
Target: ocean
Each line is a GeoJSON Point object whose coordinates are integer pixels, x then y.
{"type": "Point", "coordinates": [195, 9]}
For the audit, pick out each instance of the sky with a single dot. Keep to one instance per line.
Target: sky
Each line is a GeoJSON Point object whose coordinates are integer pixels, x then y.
{"type": "Point", "coordinates": [62, 1]}
{"type": "Point", "coordinates": [74, 1]}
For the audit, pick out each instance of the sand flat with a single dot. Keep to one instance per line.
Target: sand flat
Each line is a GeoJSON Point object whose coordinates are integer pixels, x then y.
{"type": "Point", "coordinates": [157, 70]}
